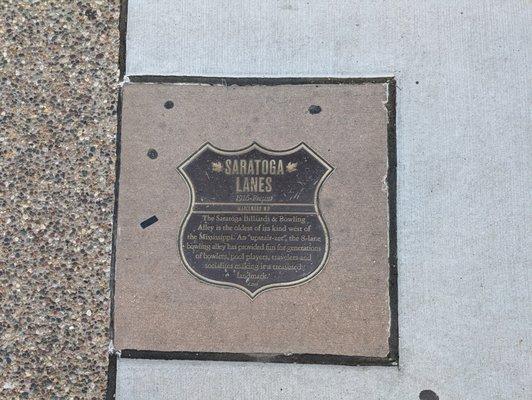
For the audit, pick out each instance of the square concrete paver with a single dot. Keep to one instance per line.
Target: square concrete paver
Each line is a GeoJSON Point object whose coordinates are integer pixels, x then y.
{"type": "Point", "coordinates": [183, 173]}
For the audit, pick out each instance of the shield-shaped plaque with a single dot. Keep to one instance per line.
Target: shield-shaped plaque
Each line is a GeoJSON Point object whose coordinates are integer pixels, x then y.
{"type": "Point", "coordinates": [254, 221]}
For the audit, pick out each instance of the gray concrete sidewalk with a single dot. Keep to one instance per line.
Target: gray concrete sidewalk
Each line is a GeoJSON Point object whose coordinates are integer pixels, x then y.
{"type": "Point", "coordinates": [463, 129]}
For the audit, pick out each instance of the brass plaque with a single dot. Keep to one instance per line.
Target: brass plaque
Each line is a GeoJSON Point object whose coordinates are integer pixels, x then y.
{"type": "Point", "coordinates": [253, 221]}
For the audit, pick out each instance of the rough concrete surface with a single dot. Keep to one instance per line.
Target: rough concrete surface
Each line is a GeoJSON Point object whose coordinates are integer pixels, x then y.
{"type": "Point", "coordinates": [463, 130]}
{"type": "Point", "coordinates": [58, 81]}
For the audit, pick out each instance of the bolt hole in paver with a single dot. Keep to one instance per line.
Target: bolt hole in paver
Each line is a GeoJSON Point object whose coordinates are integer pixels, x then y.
{"type": "Point", "coordinates": [152, 153]}
{"type": "Point", "coordinates": [428, 395]}
{"type": "Point", "coordinates": [314, 109]}
{"type": "Point", "coordinates": [148, 222]}
{"type": "Point", "coordinates": [169, 104]}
